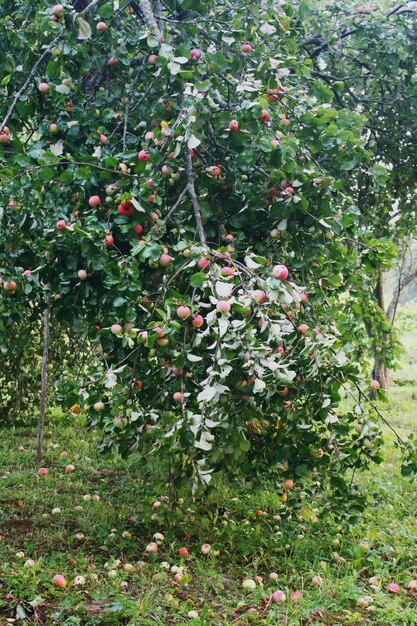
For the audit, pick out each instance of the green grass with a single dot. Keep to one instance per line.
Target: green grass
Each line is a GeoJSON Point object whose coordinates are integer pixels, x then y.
{"type": "Point", "coordinates": [120, 525]}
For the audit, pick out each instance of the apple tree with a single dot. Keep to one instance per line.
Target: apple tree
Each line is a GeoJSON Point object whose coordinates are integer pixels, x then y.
{"type": "Point", "coordinates": [174, 189]}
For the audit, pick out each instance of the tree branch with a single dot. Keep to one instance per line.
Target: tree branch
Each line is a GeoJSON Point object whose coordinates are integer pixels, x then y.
{"type": "Point", "coordinates": [28, 81]}
{"type": "Point", "coordinates": [194, 200]}
{"type": "Point", "coordinates": [144, 9]}
{"type": "Point", "coordinates": [90, 6]}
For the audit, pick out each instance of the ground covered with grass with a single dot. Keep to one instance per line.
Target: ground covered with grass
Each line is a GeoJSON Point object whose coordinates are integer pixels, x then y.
{"type": "Point", "coordinates": [93, 526]}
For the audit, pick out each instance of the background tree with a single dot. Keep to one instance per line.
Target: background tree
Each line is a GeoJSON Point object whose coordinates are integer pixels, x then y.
{"type": "Point", "coordinates": [366, 55]}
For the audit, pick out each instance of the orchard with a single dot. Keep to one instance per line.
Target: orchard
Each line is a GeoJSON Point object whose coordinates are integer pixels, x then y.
{"type": "Point", "coordinates": [197, 213]}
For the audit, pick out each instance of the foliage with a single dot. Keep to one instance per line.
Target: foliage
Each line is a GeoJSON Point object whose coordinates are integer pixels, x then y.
{"type": "Point", "coordinates": [124, 172]}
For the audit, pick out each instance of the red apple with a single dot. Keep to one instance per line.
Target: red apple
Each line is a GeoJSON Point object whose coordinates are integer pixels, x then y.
{"type": "Point", "coordinates": [280, 272]}
{"type": "Point", "coordinates": [10, 285]}
{"type": "Point", "coordinates": [194, 54]}
{"type": "Point", "coordinates": [303, 328]}
{"type": "Point", "coordinates": [296, 596]}
{"type": "Point", "coordinates": [112, 61]}
{"type": "Point", "coordinates": [278, 596]}
{"type": "Point", "coordinates": [165, 260]}
{"type": "Point", "coordinates": [234, 125]}
{"type": "Point", "coordinates": [82, 275]}
{"type": "Point", "coordinates": [43, 87]}
{"type": "Point", "coordinates": [53, 128]}
{"type": "Point", "coordinates": [259, 296]}
{"type": "Point", "coordinates": [125, 208]}
{"type": "Point", "coordinates": [198, 321]}
{"type": "Point", "coordinates": [94, 201]}
{"type": "Point", "coordinates": [143, 156]}
{"type": "Point", "coordinates": [374, 384]}
{"type": "Point", "coordinates": [183, 312]}
{"type": "Point", "coordinates": [61, 225]}
{"type": "Point", "coordinates": [178, 396]}
{"type": "Point", "coordinates": [223, 306]}
{"type": "Point", "coordinates": [202, 262]}
{"type": "Point", "coordinates": [393, 588]}
{"type": "Point", "coordinates": [102, 26]}
{"type": "Point", "coordinates": [264, 117]}
{"type": "Point", "coordinates": [58, 10]}
{"type": "Point", "coordinates": [69, 469]}
{"type": "Point", "coordinates": [59, 581]}
{"type": "Point", "coordinates": [109, 240]}
{"type": "Point", "coordinates": [42, 471]}
{"type": "Point", "coordinates": [152, 59]}
{"type": "Point", "coordinates": [214, 170]}
{"type": "Point", "coordinates": [246, 48]}
{"type": "Point", "coordinates": [183, 552]}
{"type": "Point", "coordinates": [138, 228]}
{"type": "Point", "coordinates": [103, 139]}
{"type": "Point", "coordinates": [116, 329]}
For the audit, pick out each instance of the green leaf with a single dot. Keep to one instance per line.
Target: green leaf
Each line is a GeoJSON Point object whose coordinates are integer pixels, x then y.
{"type": "Point", "coordinates": [84, 30]}
{"type": "Point", "coordinates": [198, 279]}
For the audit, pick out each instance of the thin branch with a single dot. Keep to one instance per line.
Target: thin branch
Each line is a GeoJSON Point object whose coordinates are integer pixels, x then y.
{"type": "Point", "coordinates": [194, 199]}
{"type": "Point", "coordinates": [125, 123]}
{"type": "Point", "coordinates": [402, 283]}
{"type": "Point", "coordinates": [28, 80]}
{"type": "Point", "coordinates": [138, 103]}
{"type": "Point", "coordinates": [57, 163]}
{"type": "Point", "coordinates": [178, 202]}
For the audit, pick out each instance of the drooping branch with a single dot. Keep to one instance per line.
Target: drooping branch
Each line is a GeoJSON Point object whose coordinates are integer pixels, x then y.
{"type": "Point", "coordinates": [194, 199]}
{"type": "Point", "coordinates": [44, 384]}
{"type": "Point", "coordinates": [28, 81]}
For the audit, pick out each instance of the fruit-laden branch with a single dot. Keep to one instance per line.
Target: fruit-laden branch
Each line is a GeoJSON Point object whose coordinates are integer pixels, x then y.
{"type": "Point", "coordinates": [44, 383]}
{"type": "Point", "coordinates": [194, 200]}
{"type": "Point", "coordinates": [28, 81]}
{"type": "Point", "coordinates": [144, 9]}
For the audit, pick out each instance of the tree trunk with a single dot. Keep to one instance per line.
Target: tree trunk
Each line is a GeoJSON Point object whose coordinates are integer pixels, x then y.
{"type": "Point", "coordinates": [379, 371]}
{"type": "Point", "coordinates": [44, 384]}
